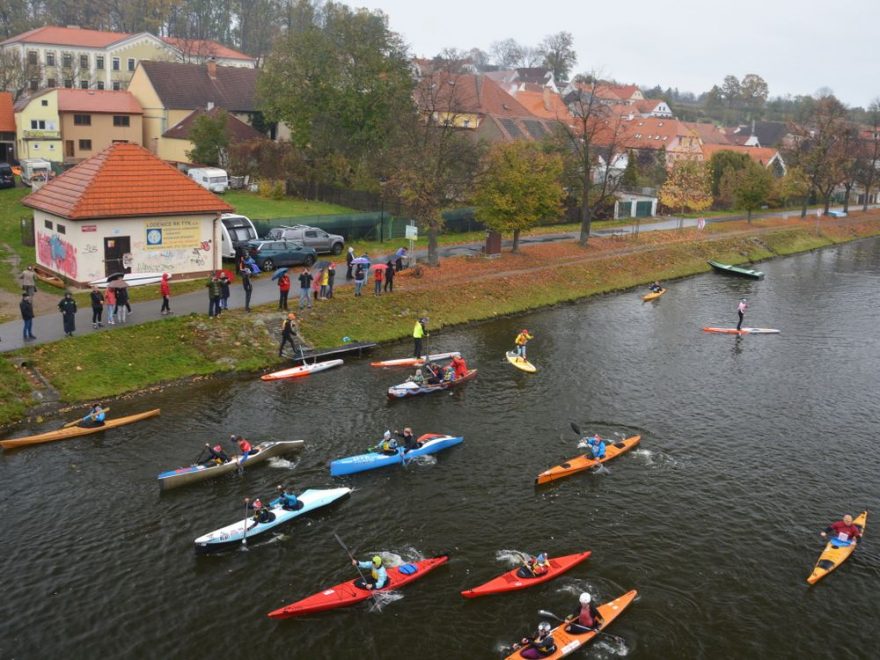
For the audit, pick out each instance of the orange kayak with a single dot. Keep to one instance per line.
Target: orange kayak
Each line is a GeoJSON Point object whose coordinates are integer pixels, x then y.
{"type": "Point", "coordinates": [835, 553]}
{"type": "Point", "coordinates": [513, 580]}
{"type": "Point", "coordinates": [583, 462]}
{"type": "Point", "coordinates": [567, 643]}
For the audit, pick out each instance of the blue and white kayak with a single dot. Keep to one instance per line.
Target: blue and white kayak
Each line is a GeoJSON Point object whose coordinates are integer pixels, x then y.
{"type": "Point", "coordinates": [234, 534]}
{"type": "Point", "coordinates": [432, 443]}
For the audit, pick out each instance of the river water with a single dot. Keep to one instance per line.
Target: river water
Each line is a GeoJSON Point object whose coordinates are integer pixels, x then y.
{"type": "Point", "coordinates": [750, 446]}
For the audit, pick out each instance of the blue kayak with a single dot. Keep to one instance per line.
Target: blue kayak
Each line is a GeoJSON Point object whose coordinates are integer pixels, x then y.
{"type": "Point", "coordinates": [431, 444]}
{"type": "Point", "coordinates": [234, 534]}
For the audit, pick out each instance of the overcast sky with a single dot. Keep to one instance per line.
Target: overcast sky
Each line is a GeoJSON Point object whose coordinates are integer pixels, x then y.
{"type": "Point", "coordinates": [797, 46]}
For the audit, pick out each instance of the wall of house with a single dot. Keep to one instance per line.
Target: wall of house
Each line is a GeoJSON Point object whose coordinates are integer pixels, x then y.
{"type": "Point", "coordinates": [174, 150]}
{"type": "Point", "coordinates": [102, 133]}
{"type": "Point", "coordinates": [145, 48]}
{"type": "Point", "coordinates": [35, 142]}
{"type": "Point", "coordinates": [154, 112]}
{"type": "Point", "coordinates": [183, 246]}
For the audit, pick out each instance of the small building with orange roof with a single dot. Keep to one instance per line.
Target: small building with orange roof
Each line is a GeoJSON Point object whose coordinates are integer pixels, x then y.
{"type": "Point", "coordinates": [767, 157]}
{"type": "Point", "coordinates": [7, 128]}
{"type": "Point", "coordinates": [126, 211]}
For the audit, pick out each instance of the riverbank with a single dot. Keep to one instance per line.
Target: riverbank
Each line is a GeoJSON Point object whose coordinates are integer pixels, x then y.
{"type": "Point", "coordinates": [461, 290]}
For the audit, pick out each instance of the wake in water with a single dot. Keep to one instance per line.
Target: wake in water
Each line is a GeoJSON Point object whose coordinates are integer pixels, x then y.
{"type": "Point", "coordinates": [282, 463]}
{"type": "Point", "coordinates": [425, 460]}
{"type": "Point", "coordinates": [512, 558]}
{"type": "Point", "coordinates": [381, 599]}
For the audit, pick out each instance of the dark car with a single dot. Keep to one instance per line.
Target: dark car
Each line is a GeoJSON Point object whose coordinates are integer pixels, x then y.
{"type": "Point", "coordinates": [270, 255]}
{"type": "Point", "coordinates": [313, 237]}
{"type": "Point", "coordinates": [7, 178]}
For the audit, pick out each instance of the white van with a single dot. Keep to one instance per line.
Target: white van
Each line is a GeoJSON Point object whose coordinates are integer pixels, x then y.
{"type": "Point", "coordinates": [35, 171]}
{"type": "Point", "coordinates": [212, 178]}
{"type": "Point", "coordinates": [235, 232]}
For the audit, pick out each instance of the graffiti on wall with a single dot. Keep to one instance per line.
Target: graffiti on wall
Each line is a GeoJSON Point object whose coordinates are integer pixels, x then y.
{"type": "Point", "coordinates": [57, 254]}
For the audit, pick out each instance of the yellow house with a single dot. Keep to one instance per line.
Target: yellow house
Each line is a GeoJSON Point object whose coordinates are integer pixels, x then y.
{"type": "Point", "coordinates": [38, 128]}
{"type": "Point", "coordinates": [176, 144]}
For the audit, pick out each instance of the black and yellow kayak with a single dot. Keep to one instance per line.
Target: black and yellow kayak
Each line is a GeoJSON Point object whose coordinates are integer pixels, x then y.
{"type": "Point", "coordinates": [836, 552]}
{"type": "Point", "coordinates": [585, 462]}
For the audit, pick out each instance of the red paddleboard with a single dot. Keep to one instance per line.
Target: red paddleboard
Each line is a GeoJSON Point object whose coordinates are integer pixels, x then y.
{"type": "Point", "coordinates": [743, 331]}
{"type": "Point", "coordinates": [512, 581]}
{"type": "Point", "coordinates": [346, 594]}
{"type": "Point", "coordinates": [302, 370]}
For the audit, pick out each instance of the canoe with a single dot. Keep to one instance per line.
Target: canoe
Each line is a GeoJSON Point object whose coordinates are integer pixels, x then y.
{"type": "Point", "coordinates": [736, 270]}
{"type": "Point", "coordinates": [234, 534]}
{"type": "Point", "coordinates": [567, 643]}
{"type": "Point", "coordinates": [653, 295]}
{"type": "Point", "coordinates": [513, 580]}
{"type": "Point", "coordinates": [199, 472]}
{"type": "Point", "coordinates": [346, 594]}
{"type": "Point", "coordinates": [302, 370]}
{"type": "Point", "coordinates": [520, 363]}
{"type": "Point", "coordinates": [132, 279]}
{"type": "Point", "coordinates": [836, 552]}
{"type": "Point", "coordinates": [414, 362]}
{"type": "Point", "coordinates": [363, 462]}
{"type": "Point", "coordinates": [76, 431]}
{"type": "Point", "coordinates": [48, 277]}
{"type": "Point", "coordinates": [581, 463]}
{"type": "Point", "coordinates": [409, 388]}
{"type": "Point", "coordinates": [743, 331]}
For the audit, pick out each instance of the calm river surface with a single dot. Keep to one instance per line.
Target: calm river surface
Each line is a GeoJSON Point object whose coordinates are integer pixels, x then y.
{"type": "Point", "coordinates": [749, 448]}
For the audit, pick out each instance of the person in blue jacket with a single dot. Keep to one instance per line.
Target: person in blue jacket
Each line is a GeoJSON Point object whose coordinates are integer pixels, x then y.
{"type": "Point", "coordinates": [94, 418]}
{"type": "Point", "coordinates": [377, 578]}
{"type": "Point", "coordinates": [287, 499]}
{"type": "Point", "coordinates": [596, 446]}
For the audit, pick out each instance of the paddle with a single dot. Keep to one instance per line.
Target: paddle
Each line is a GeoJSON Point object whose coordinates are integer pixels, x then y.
{"type": "Point", "coordinates": [77, 421]}
{"type": "Point", "coordinates": [246, 516]}
{"type": "Point", "coordinates": [351, 556]}
{"type": "Point", "coordinates": [595, 630]}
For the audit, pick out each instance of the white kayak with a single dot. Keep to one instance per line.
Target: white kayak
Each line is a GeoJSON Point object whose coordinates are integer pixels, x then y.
{"type": "Point", "coordinates": [301, 370]}
{"type": "Point", "coordinates": [415, 362]}
{"type": "Point", "coordinates": [234, 534]}
{"type": "Point", "coordinates": [132, 279]}
{"type": "Point", "coordinates": [743, 331]}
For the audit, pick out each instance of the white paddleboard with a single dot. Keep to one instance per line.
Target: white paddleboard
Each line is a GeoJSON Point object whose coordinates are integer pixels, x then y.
{"type": "Point", "coordinates": [302, 370]}
{"type": "Point", "coordinates": [132, 279]}
{"type": "Point", "coordinates": [414, 362]}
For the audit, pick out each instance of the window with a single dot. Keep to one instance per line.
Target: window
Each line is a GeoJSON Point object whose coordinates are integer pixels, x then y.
{"type": "Point", "coordinates": [32, 57]}
{"type": "Point", "coordinates": [85, 145]}
{"type": "Point", "coordinates": [68, 83]}
{"type": "Point", "coordinates": [34, 84]}
{"type": "Point", "coordinates": [47, 224]}
{"type": "Point", "coordinates": [99, 62]}
{"type": "Point", "coordinates": [44, 103]}
{"type": "Point", "coordinates": [49, 83]}
{"type": "Point", "coordinates": [67, 60]}
{"type": "Point", "coordinates": [61, 229]}
{"type": "Point", "coordinates": [83, 84]}
{"type": "Point", "coordinates": [83, 61]}
{"type": "Point", "coordinates": [38, 124]}
{"type": "Point", "coordinates": [121, 120]}
{"type": "Point", "coordinates": [115, 85]}
{"type": "Point", "coordinates": [100, 84]}
{"type": "Point", "coordinates": [131, 64]}
{"type": "Point", "coordinates": [50, 59]}
{"type": "Point", "coordinates": [35, 146]}
{"type": "Point", "coordinates": [116, 64]}
{"type": "Point", "coordinates": [82, 120]}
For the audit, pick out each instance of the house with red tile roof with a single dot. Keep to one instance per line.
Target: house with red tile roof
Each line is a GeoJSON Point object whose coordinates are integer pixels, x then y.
{"type": "Point", "coordinates": [653, 108]}
{"type": "Point", "coordinates": [709, 133]}
{"type": "Point", "coordinates": [767, 157]}
{"type": "Point", "coordinates": [97, 59]}
{"type": "Point", "coordinates": [670, 135]}
{"type": "Point", "coordinates": [7, 128]}
{"type": "Point", "coordinates": [125, 210]}
{"type": "Point", "coordinates": [177, 143]}
{"type": "Point", "coordinates": [68, 125]}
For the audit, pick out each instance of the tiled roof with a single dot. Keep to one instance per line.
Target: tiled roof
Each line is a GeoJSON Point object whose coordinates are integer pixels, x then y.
{"type": "Point", "coordinates": [236, 130]}
{"type": "Point", "coordinates": [761, 155]}
{"type": "Point", "coordinates": [709, 133]}
{"type": "Point", "coordinates": [124, 180]}
{"type": "Point", "coordinates": [98, 100]}
{"type": "Point", "coordinates": [543, 103]}
{"type": "Point", "coordinates": [68, 36]}
{"type": "Point", "coordinates": [467, 93]}
{"type": "Point", "coordinates": [188, 86]}
{"type": "Point", "coordinates": [654, 132]}
{"type": "Point", "coordinates": [522, 128]}
{"type": "Point", "coordinates": [205, 48]}
{"type": "Point", "coordinates": [647, 105]}
{"type": "Point", "coordinates": [7, 113]}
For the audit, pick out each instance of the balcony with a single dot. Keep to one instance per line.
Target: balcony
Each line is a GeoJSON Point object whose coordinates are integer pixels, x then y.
{"type": "Point", "coordinates": [36, 134]}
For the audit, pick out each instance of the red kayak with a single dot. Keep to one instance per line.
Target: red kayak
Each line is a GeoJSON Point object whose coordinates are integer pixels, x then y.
{"type": "Point", "coordinates": [514, 580]}
{"type": "Point", "coordinates": [345, 594]}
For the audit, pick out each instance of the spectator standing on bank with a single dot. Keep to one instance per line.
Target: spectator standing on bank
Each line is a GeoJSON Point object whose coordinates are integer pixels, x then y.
{"type": "Point", "coordinates": [283, 291]}
{"type": "Point", "coordinates": [325, 284]}
{"type": "Point", "coordinates": [122, 305]}
{"type": "Point", "coordinates": [27, 316]}
{"type": "Point", "coordinates": [97, 301]}
{"type": "Point", "coordinates": [400, 255]}
{"type": "Point", "coordinates": [305, 287]}
{"type": "Point", "coordinates": [213, 296]}
{"type": "Point", "coordinates": [165, 290]}
{"type": "Point", "coordinates": [379, 281]}
{"type": "Point", "coordinates": [224, 291]}
{"type": "Point", "coordinates": [28, 282]}
{"type": "Point", "coordinates": [389, 277]}
{"type": "Point", "coordinates": [359, 278]}
{"type": "Point", "coordinates": [247, 286]}
{"type": "Point", "coordinates": [349, 257]}
{"type": "Point", "coordinates": [331, 276]}
{"type": "Point", "coordinates": [67, 307]}
{"type": "Point", "coordinates": [110, 302]}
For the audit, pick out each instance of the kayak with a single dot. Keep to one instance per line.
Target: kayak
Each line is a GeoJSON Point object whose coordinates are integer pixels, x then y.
{"type": "Point", "coordinates": [76, 431]}
{"type": "Point", "coordinates": [413, 361]}
{"type": "Point", "coordinates": [347, 593]}
{"type": "Point", "coordinates": [736, 270]}
{"type": "Point", "coordinates": [836, 552]}
{"type": "Point", "coordinates": [302, 370]}
{"type": "Point", "coordinates": [234, 534]}
{"type": "Point", "coordinates": [581, 463]}
{"type": "Point", "coordinates": [409, 388]}
{"type": "Point", "coordinates": [363, 462]}
{"type": "Point", "coordinates": [132, 279]}
{"type": "Point", "coordinates": [653, 295]}
{"type": "Point", "coordinates": [199, 472]}
{"type": "Point", "coordinates": [743, 331]}
{"type": "Point", "coordinates": [514, 580]}
{"type": "Point", "coordinates": [567, 643]}
{"type": "Point", "coordinates": [520, 363]}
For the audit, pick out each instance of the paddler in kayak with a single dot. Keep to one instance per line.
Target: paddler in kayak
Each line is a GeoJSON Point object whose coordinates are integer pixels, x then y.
{"type": "Point", "coordinates": [741, 311]}
{"type": "Point", "coordinates": [433, 373]}
{"type": "Point", "coordinates": [287, 499]}
{"type": "Point", "coordinates": [843, 530]}
{"type": "Point", "coordinates": [535, 566]}
{"type": "Point", "coordinates": [94, 418]}
{"type": "Point", "coordinates": [409, 440]}
{"type": "Point", "coordinates": [520, 343]}
{"type": "Point", "coordinates": [655, 287]}
{"type": "Point", "coordinates": [261, 513]}
{"type": "Point", "coordinates": [387, 445]}
{"type": "Point", "coordinates": [459, 367]}
{"type": "Point", "coordinates": [377, 578]}
{"type": "Point", "coordinates": [539, 646]}
{"type": "Point", "coordinates": [585, 618]}
{"type": "Point", "coordinates": [216, 454]}
{"type": "Point", "coordinates": [596, 446]}
{"type": "Point", "coordinates": [244, 447]}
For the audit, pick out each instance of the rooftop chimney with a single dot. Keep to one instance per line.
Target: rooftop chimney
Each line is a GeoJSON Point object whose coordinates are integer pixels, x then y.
{"type": "Point", "coordinates": [212, 68]}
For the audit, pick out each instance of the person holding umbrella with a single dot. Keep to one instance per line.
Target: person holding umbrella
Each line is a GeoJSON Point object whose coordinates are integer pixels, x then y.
{"type": "Point", "coordinates": [349, 259]}
{"type": "Point", "coordinates": [110, 303]}
{"type": "Point", "coordinates": [247, 286]}
{"type": "Point", "coordinates": [67, 307]}
{"type": "Point", "coordinates": [97, 301]}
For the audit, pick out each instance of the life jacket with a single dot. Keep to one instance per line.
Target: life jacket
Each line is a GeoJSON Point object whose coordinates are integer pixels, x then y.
{"type": "Point", "coordinates": [218, 448]}
{"type": "Point", "coordinates": [586, 618]}
{"type": "Point", "coordinates": [389, 445]}
{"type": "Point", "coordinates": [244, 446]}
{"type": "Point", "coordinates": [522, 338]}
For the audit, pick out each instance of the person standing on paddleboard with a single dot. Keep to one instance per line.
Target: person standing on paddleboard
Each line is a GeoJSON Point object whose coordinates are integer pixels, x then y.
{"type": "Point", "coordinates": [520, 342]}
{"type": "Point", "coordinates": [741, 312]}
{"type": "Point", "coordinates": [419, 332]}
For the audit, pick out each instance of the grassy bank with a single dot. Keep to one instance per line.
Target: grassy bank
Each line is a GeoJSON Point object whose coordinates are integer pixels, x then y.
{"type": "Point", "coordinates": [462, 290]}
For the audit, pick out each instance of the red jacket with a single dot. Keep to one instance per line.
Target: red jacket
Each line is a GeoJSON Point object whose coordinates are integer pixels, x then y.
{"type": "Point", "coordinates": [840, 527]}
{"type": "Point", "coordinates": [164, 288]}
{"type": "Point", "coordinates": [284, 283]}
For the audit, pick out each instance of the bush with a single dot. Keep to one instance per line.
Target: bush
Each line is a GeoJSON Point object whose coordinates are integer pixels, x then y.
{"type": "Point", "coordinates": [272, 189]}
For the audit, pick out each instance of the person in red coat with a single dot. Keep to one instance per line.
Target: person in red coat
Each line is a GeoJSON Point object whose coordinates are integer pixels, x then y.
{"type": "Point", "coordinates": [165, 290]}
{"type": "Point", "coordinates": [283, 290]}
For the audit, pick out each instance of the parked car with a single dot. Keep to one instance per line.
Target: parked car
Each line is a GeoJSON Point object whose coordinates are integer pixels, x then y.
{"type": "Point", "coordinates": [7, 178]}
{"type": "Point", "coordinates": [312, 237]}
{"type": "Point", "coordinates": [270, 255]}
{"type": "Point", "coordinates": [837, 214]}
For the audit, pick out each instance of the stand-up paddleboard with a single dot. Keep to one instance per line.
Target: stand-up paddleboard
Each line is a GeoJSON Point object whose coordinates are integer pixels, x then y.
{"type": "Point", "coordinates": [302, 370]}
{"type": "Point", "coordinates": [132, 279]}
{"type": "Point", "coordinates": [520, 363]}
{"type": "Point", "coordinates": [743, 331]}
{"type": "Point", "coordinates": [653, 295]}
{"type": "Point", "coordinates": [415, 362]}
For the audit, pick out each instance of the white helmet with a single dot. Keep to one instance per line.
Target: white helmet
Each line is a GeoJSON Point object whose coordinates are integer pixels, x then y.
{"type": "Point", "coordinates": [585, 598]}
{"type": "Point", "coordinates": [544, 627]}
{"type": "Point", "coordinates": [387, 435]}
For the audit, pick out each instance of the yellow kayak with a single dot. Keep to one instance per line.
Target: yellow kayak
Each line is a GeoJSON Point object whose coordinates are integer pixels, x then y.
{"type": "Point", "coordinates": [585, 462]}
{"type": "Point", "coordinates": [835, 554]}
{"type": "Point", "coordinates": [520, 363]}
{"type": "Point", "coordinates": [653, 295]}
{"type": "Point", "coordinates": [75, 431]}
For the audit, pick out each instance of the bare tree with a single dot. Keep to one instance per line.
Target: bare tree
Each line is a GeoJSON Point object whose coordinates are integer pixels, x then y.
{"type": "Point", "coordinates": [507, 53]}
{"type": "Point", "coordinates": [16, 74]}
{"type": "Point", "coordinates": [867, 175]}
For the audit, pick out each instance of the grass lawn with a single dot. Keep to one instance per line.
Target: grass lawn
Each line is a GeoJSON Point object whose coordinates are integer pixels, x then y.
{"type": "Point", "coordinates": [11, 213]}
{"type": "Point", "coordinates": [256, 207]}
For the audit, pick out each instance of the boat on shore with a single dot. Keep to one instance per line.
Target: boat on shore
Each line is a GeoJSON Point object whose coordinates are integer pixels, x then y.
{"type": "Point", "coordinates": [201, 471]}
{"type": "Point", "coordinates": [432, 443]}
{"type": "Point", "coordinates": [728, 269]}
{"type": "Point", "coordinates": [76, 431]}
{"type": "Point", "coordinates": [132, 279]}
{"type": "Point", "coordinates": [301, 370]}
{"type": "Point", "coordinates": [48, 277]}
{"type": "Point", "coordinates": [409, 388]}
